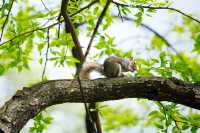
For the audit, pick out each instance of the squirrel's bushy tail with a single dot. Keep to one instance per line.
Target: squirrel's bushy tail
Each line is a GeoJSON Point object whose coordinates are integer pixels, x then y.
{"type": "Point", "coordinates": [88, 67]}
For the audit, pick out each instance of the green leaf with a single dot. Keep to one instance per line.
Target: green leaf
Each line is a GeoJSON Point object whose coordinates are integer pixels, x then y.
{"type": "Point", "coordinates": [138, 19]}
{"type": "Point", "coordinates": [179, 29]}
{"type": "Point", "coordinates": [197, 44]}
{"type": "Point", "coordinates": [157, 42]}
{"type": "Point", "coordinates": [151, 10]}
{"type": "Point", "coordinates": [163, 59]}
{"type": "Point", "coordinates": [118, 117]}
{"type": "Point", "coordinates": [159, 125]}
{"type": "Point", "coordinates": [2, 69]}
{"type": "Point", "coordinates": [41, 122]}
{"type": "Point", "coordinates": [194, 130]}
{"type": "Point", "coordinates": [175, 130]}
{"type": "Point", "coordinates": [154, 113]}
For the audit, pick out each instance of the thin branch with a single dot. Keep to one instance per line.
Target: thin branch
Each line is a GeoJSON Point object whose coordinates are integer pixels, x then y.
{"type": "Point", "coordinates": [86, 7]}
{"type": "Point", "coordinates": [152, 7]}
{"type": "Point", "coordinates": [46, 56]}
{"type": "Point", "coordinates": [99, 21]}
{"type": "Point", "coordinates": [28, 32]}
{"type": "Point", "coordinates": [59, 25]}
{"type": "Point", "coordinates": [6, 20]}
{"type": "Point", "coordinates": [45, 5]}
{"type": "Point", "coordinates": [119, 14]}
{"type": "Point", "coordinates": [161, 37]}
{"type": "Point", "coordinates": [43, 28]}
{"type": "Point", "coordinates": [48, 20]}
{"type": "Point", "coordinates": [153, 31]}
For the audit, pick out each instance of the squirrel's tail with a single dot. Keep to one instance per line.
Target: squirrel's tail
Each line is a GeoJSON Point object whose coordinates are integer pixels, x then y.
{"type": "Point", "coordinates": [88, 67]}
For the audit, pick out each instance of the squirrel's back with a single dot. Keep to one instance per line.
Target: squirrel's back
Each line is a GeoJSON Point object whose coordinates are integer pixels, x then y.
{"type": "Point", "coordinates": [112, 67]}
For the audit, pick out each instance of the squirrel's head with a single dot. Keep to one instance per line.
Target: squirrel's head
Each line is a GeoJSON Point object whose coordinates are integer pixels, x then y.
{"type": "Point", "coordinates": [130, 65]}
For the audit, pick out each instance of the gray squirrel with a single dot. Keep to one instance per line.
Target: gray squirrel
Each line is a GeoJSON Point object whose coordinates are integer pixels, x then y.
{"type": "Point", "coordinates": [112, 67]}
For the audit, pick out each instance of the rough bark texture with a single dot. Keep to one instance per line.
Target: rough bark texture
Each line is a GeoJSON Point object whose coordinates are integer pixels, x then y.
{"type": "Point", "coordinates": [26, 103]}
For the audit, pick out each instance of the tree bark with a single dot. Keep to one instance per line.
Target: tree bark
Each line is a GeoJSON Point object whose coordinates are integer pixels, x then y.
{"type": "Point", "coordinates": [29, 101]}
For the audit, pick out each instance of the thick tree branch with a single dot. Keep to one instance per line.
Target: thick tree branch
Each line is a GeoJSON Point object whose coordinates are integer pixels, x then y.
{"type": "Point", "coordinates": [30, 101]}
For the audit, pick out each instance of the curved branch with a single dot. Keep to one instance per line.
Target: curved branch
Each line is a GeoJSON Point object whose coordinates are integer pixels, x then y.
{"type": "Point", "coordinates": [151, 30]}
{"type": "Point", "coordinates": [28, 102]}
{"type": "Point", "coordinates": [153, 7]}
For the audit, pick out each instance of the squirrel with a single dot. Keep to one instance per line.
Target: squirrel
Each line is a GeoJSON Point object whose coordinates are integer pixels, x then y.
{"type": "Point", "coordinates": [112, 67]}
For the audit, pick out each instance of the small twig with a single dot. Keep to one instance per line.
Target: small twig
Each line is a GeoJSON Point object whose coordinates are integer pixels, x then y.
{"type": "Point", "coordinates": [155, 32]}
{"type": "Point", "coordinates": [86, 7]}
{"type": "Point", "coordinates": [48, 20]}
{"type": "Point", "coordinates": [46, 55]}
{"type": "Point", "coordinates": [161, 37]}
{"type": "Point", "coordinates": [6, 20]}
{"type": "Point", "coordinates": [119, 14]}
{"type": "Point", "coordinates": [153, 7]}
{"type": "Point", "coordinates": [97, 26]}
{"type": "Point", "coordinates": [20, 52]}
{"type": "Point", "coordinates": [59, 30]}
{"type": "Point", "coordinates": [59, 20]}
{"type": "Point", "coordinates": [28, 32]}
{"type": "Point", "coordinates": [43, 28]}
{"type": "Point", "coordinates": [45, 5]}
